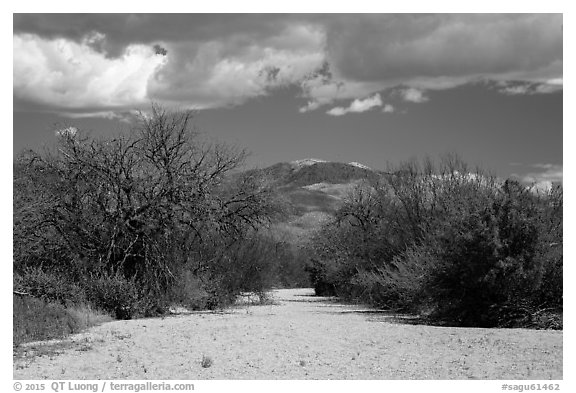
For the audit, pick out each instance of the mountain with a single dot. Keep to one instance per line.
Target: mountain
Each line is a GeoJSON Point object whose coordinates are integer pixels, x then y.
{"type": "Point", "coordinates": [312, 171]}
{"type": "Point", "coordinates": [314, 185]}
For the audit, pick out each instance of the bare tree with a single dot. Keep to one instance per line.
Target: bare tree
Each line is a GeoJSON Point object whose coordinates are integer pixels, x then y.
{"type": "Point", "coordinates": [141, 205]}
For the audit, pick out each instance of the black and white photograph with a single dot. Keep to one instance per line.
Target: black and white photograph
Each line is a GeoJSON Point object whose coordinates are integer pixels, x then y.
{"type": "Point", "coordinates": [286, 197]}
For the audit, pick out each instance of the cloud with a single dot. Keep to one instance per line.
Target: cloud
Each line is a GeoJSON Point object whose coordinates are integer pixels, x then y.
{"type": "Point", "coordinates": [357, 106]}
{"type": "Point", "coordinates": [221, 73]}
{"type": "Point", "coordinates": [401, 47]}
{"type": "Point", "coordinates": [337, 111]}
{"type": "Point", "coordinates": [369, 53]}
{"type": "Point", "coordinates": [413, 95]}
{"type": "Point", "coordinates": [67, 75]}
{"type": "Point", "coordinates": [388, 109]}
{"type": "Point", "coordinates": [528, 88]}
{"type": "Point", "coordinates": [545, 173]}
{"type": "Point", "coordinates": [125, 116]}
{"type": "Point", "coordinates": [516, 90]}
{"type": "Point", "coordinates": [310, 106]}
{"type": "Point", "coordinates": [119, 62]}
{"type": "Point", "coordinates": [119, 31]}
{"type": "Point", "coordinates": [541, 186]}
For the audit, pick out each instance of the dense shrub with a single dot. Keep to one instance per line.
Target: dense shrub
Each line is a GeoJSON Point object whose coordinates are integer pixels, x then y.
{"type": "Point", "coordinates": [191, 292]}
{"type": "Point", "coordinates": [114, 294]}
{"type": "Point", "coordinates": [321, 277]}
{"type": "Point", "coordinates": [485, 256]}
{"type": "Point", "coordinates": [400, 285]}
{"type": "Point", "coordinates": [457, 245]}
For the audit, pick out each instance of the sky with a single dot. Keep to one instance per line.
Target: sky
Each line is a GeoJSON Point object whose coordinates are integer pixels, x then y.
{"type": "Point", "coordinates": [372, 88]}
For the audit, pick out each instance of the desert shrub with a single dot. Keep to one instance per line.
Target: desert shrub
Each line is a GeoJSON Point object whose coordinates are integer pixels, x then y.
{"type": "Point", "coordinates": [400, 285]}
{"type": "Point", "coordinates": [459, 245]}
{"type": "Point", "coordinates": [190, 292]}
{"type": "Point", "coordinates": [248, 265]}
{"type": "Point", "coordinates": [486, 256]}
{"type": "Point", "coordinates": [114, 294]}
{"type": "Point", "coordinates": [332, 264]}
{"type": "Point", "coordinates": [321, 277]}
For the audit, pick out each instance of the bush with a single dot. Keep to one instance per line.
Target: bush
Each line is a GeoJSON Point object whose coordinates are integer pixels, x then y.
{"type": "Point", "coordinates": [459, 245]}
{"type": "Point", "coordinates": [114, 294]}
{"type": "Point", "coordinates": [240, 266]}
{"type": "Point", "coordinates": [190, 292]}
{"type": "Point", "coordinates": [487, 258]}
{"type": "Point", "coordinates": [321, 277]}
{"type": "Point", "coordinates": [399, 286]}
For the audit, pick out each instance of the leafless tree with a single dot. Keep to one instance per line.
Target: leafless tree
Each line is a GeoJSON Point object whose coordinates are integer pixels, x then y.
{"type": "Point", "coordinates": [141, 205]}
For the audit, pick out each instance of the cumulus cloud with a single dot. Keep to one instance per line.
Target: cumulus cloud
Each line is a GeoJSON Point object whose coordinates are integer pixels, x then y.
{"type": "Point", "coordinates": [68, 75]}
{"type": "Point", "coordinates": [337, 111]}
{"type": "Point", "coordinates": [357, 106]}
{"type": "Point", "coordinates": [220, 73]}
{"type": "Point", "coordinates": [310, 106]}
{"type": "Point", "coordinates": [103, 63]}
{"type": "Point", "coordinates": [388, 109]}
{"type": "Point", "coordinates": [413, 95]}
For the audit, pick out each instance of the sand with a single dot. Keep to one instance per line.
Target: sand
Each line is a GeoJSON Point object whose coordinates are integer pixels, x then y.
{"type": "Point", "coordinates": [299, 337]}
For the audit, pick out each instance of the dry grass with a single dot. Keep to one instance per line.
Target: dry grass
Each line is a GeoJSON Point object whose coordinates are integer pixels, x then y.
{"type": "Point", "coordinates": [35, 319]}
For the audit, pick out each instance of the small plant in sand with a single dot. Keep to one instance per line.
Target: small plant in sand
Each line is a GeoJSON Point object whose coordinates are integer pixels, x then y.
{"type": "Point", "coordinates": [206, 361]}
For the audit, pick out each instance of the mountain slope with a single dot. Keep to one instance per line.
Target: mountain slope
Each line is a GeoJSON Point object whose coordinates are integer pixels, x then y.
{"type": "Point", "coordinates": [313, 185]}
